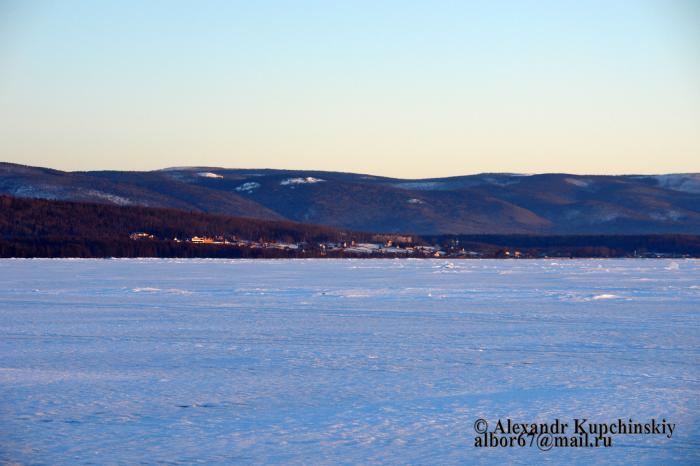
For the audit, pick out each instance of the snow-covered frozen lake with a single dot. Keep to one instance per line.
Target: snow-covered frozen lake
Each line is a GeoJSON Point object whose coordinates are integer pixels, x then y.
{"type": "Point", "coordinates": [342, 361]}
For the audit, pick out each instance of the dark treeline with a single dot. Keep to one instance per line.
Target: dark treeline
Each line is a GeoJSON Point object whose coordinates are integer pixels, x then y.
{"type": "Point", "coordinates": [22, 218]}
{"type": "Point", "coordinates": [44, 228]}
{"type": "Point", "coordinates": [66, 247]}
{"type": "Point", "coordinates": [676, 245]}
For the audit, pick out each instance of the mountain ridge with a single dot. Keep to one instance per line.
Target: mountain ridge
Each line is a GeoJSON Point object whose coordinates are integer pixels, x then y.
{"type": "Point", "coordinates": [493, 203]}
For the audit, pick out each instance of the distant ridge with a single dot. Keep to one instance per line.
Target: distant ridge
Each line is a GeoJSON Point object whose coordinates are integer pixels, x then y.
{"type": "Point", "coordinates": [489, 203]}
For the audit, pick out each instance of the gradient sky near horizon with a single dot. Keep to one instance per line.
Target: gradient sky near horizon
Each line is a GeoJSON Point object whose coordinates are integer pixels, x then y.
{"type": "Point", "coordinates": [399, 88]}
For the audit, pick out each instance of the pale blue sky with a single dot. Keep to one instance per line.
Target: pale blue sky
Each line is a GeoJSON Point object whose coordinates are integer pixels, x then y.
{"type": "Point", "coordinates": [400, 88]}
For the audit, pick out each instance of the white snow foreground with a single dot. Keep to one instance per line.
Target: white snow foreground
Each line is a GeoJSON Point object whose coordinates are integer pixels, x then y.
{"type": "Point", "coordinates": [341, 361]}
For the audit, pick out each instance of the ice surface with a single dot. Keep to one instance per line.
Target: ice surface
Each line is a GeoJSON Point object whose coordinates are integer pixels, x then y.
{"type": "Point", "coordinates": [341, 361]}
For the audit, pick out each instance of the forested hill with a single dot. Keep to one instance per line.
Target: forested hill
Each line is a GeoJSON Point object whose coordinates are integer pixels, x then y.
{"type": "Point", "coordinates": [489, 203]}
{"type": "Point", "coordinates": [35, 227]}
{"type": "Point", "coordinates": [43, 228]}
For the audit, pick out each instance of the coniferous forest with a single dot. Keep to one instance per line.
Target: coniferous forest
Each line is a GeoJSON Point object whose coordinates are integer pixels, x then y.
{"type": "Point", "coordinates": [48, 228]}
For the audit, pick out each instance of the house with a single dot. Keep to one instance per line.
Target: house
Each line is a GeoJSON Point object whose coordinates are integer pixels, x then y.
{"type": "Point", "coordinates": [141, 235]}
{"type": "Point", "coordinates": [426, 249]}
{"type": "Point", "coordinates": [393, 250]}
{"type": "Point", "coordinates": [390, 240]}
{"type": "Point", "coordinates": [202, 240]}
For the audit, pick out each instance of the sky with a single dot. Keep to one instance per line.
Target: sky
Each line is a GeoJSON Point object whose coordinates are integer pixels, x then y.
{"type": "Point", "coordinates": [403, 88]}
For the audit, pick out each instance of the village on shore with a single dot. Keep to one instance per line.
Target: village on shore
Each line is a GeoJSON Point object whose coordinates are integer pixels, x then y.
{"type": "Point", "coordinates": [393, 246]}
{"type": "Point", "coordinates": [382, 245]}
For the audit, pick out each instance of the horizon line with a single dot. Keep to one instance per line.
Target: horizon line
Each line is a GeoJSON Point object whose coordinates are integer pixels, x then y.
{"type": "Point", "coordinates": [212, 167]}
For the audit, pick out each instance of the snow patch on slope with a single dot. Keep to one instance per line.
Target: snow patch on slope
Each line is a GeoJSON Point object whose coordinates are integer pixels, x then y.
{"type": "Point", "coordinates": [671, 215]}
{"type": "Point", "coordinates": [59, 193]}
{"type": "Point", "coordinates": [689, 183]}
{"type": "Point", "coordinates": [503, 181]}
{"type": "Point", "coordinates": [421, 185]}
{"type": "Point", "coordinates": [209, 175]}
{"type": "Point", "coordinates": [295, 181]}
{"type": "Point", "coordinates": [248, 187]}
{"type": "Point", "coordinates": [41, 192]}
{"type": "Point", "coordinates": [113, 198]}
{"type": "Point", "coordinates": [581, 183]}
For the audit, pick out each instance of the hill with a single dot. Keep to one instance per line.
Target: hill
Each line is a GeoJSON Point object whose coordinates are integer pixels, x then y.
{"type": "Point", "coordinates": [543, 204]}
{"type": "Point", "coordinates": [43, 228]}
